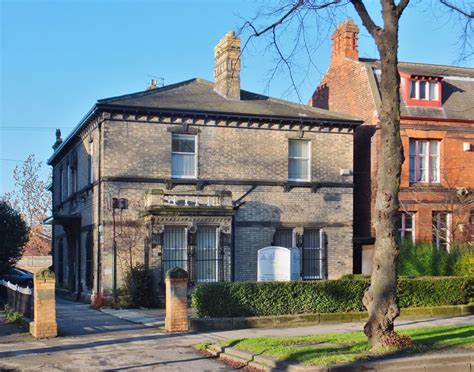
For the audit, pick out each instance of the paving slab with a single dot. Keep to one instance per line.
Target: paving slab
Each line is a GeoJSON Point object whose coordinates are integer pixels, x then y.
{"type": "Point", "coordinates": [95, 341]}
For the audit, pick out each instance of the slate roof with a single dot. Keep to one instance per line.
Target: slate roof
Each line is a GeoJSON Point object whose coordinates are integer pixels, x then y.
{"type": "Point", "coordinates": [198, 95]}
{"type": "Point", "coordinates": [457, 89]}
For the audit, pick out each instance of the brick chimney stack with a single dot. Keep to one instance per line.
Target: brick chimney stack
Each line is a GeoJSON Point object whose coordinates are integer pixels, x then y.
{"type": "Point", "coordinates": [345, 42]}
{"type": "Point", "coordinates": [227, 66]}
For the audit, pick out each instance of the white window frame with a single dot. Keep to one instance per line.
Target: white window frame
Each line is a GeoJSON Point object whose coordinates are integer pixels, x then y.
{"type": "Point", "coordinates": [437, 229]}
{"type": "Point", "coordinates": [402, 231]}
{"type": "Point", "coordinates": [196, 149]}
{"type": "Point", "coordinates": [428, 156]}
{"type": "Point", "coordinates": [428, 96]}
{"type": "Point", "coordinates": [300, 158]}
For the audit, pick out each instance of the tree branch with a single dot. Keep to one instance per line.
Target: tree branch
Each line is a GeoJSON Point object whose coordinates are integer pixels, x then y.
{"type": "Point", "coordinates": [458, 9]}
{"type": "Point", "coordinates": [401, 7]}
{"type": "Point", "coordinates": [367, 20]}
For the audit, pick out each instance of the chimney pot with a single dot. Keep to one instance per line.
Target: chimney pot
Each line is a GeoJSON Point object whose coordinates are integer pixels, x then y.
{"type": "Point", "coordinates": [227, 66]}
{"type": "Point", "coordinates": [153, 84]}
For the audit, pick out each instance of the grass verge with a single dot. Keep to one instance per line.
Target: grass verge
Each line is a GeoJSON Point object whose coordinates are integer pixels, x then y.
{"type": "Point", "coordinates": [329, 349]}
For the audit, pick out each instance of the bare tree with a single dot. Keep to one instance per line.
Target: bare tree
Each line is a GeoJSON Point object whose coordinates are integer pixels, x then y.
{"type": "Point", "coordinates": [30, 196]}
{"type": "Point", "coordinates": [381, 298]}
{"type": "Point", "coordinates": [129, 237]}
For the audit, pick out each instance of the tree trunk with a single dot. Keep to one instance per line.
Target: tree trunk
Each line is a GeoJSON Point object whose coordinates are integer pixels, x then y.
{"type": "Point", "coordinates": [381, 298]}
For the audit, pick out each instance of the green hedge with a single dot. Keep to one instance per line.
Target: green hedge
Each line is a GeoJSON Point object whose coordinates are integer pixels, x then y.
{"type": "Point", "coordinates": [425, 259]}
{"type": "Point", "coordinates": [235, 299]}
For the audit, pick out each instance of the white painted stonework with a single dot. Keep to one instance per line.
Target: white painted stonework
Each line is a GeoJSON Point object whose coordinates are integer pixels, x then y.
{"type": "Point", "coordinates": [275, 264]}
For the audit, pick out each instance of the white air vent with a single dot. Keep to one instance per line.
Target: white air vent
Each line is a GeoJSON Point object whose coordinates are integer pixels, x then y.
{"type": "Point", "coordinates": [466, 146]}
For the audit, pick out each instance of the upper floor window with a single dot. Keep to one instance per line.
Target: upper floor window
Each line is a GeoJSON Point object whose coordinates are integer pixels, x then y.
{"type": "Point", "coordinates": [299, 164]}
{"type": "Point", "coordinates": [183, 156]}
{"type": "Point", "coordinates": [406, 226]}
{"type": "Point", "coordinates": [60, 188]}
{"type": "Point", "coordinates": [424, 90]}
{"type": "Point", "coordinates": [65, 182]}
{"type": "Point", "coordinates": [424, 161]}
{"type": "Point", "coordinates": [91, 162]}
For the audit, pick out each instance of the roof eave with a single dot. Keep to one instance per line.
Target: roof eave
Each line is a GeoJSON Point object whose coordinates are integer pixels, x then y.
{"type": "Point", "coordinates": [336, 121]}
{"type": "Point", "coordinates": [68, 139]}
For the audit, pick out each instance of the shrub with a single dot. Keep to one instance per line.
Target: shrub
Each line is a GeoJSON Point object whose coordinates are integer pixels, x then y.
{"type": "Point", "coordinates": [234, 299]}
{"type": "Point", "coordinates": [427, 260]}
{"type": "Point", "coordinates": [14, 235]}
{"type": "Point", "coordinates": [139, 288]}
{"type": "Point", "coordinates": [11, 315]}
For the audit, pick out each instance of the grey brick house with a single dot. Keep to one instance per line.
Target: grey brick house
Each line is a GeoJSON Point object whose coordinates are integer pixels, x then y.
{"type": "Point", "coordinates": [211, 173]}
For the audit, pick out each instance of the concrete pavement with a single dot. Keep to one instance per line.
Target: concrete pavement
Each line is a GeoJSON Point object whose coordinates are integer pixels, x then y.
{"type": "Point", "coordinates": [156, 317]}
{"type": "Point", "coordinates": [93, 340]}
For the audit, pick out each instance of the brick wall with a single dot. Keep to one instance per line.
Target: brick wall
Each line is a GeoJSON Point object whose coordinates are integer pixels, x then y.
{"type": "Point", "coordinates": [133, 149]}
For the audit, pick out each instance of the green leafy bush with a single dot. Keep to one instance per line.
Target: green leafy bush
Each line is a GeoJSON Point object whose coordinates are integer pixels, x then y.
{"type": "Point", "coordinates": [234, 299]}
{"type": "Point", "coordinates": [11, 315]}
{"type": "Point", "coordinates": [427, 260]}
{"type": "Point", "coordinates": [138, 288]}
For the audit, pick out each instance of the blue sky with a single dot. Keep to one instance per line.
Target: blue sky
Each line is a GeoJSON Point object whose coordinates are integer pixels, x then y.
{"type": "Point", "coordinates": [59, 56]}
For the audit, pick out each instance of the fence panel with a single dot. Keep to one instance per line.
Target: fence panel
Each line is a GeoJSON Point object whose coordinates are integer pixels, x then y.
{"type": "Point", "coordinates": [19, 299]}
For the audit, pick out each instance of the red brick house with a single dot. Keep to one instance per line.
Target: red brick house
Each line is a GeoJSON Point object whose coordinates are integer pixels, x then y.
{"type": "Point", "coordinates": [437, 129]}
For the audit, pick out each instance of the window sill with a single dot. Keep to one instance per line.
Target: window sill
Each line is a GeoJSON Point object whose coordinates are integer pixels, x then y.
{"type": "Point", "coordinates": [425, 184]}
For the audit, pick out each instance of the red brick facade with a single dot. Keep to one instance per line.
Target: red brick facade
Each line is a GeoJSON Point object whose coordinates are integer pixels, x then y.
{"type": "Point", "coordinates": [350, 86]}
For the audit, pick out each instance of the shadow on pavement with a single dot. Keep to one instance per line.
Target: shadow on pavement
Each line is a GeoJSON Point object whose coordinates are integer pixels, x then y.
{"type": "Point", "coordinates": [78, 319]}
{"type": "Point", "coordinates": [84, 345]}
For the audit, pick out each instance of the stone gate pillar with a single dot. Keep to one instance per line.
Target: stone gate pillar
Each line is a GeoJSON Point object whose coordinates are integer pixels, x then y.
{"type": "Point", "coordinates": [44, 324]}
{"type": "Point", "coordinates": [176, 301]}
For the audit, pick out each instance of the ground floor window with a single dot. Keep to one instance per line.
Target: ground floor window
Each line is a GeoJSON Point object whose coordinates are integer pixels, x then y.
{"type": "Point", "coordinates": [313, 255]}
{"type": "Point", "coordinates": [441, 223]}
{"type": "Point", "coordinates": [89, 262]}
{"type": "Point", "coordinates": [406, 226]}
{"type": "Point", "coordinates": [284, 238]}
{"type": "Point", "coordinates": [312, 250]}
{"type": "Point", "coordinates": [207, 255]}
{"type": "Point", "coordinates": [197, 253]}
{"type": "Point", "coordinates": [175, 249]}
{"type": "Point", "coordinates": [60, 265]}
{"type": "Point", "coordinates": [471, 225]}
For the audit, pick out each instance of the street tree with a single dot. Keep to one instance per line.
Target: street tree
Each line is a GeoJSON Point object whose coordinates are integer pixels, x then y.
{"type": "Point", "coordinates": [381, 298]}
{"type": "Point", "coordinates": [32, 199]}
{"type": "Point", "coordinates": [30, 195]}
{"type": "Point", "coordinates": [14, 235]}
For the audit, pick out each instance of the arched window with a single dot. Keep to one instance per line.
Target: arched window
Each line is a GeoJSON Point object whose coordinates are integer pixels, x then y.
{"type": "Point", "coordinates": [72, 173]}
